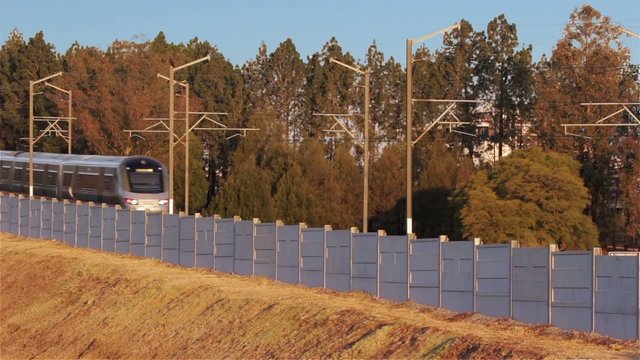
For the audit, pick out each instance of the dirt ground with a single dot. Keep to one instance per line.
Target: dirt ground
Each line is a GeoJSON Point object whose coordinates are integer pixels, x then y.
{"type": "Point", "coordinates": [63, 302]}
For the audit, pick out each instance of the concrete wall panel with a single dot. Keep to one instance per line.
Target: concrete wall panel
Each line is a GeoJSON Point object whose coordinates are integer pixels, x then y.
{"type": "Point", "coordinates": [365, 263]}
{"type": "Point", "coordinates": [187, 241]}
{"type": "Point", "coordinates": [339, 259]}
{"type": "Point", "coordinates": [70, 221]}
{"type": "Point", "coordinates": [205, 241]}
{"type": "Point", "coordinates": [153, 235]}
{"type": "Point", "coordinates": [5, 212]}
{"type": "Point", "coordinates": [530, 285]}
{"type": "Point", "coordinates": [265, 249]}
{"type": "Point", "coordinates": [138, 233]}
{"type": "Point", "coordinates": [458, 275]}
{"type": "Point", "coordinates": [243, 247]}
{"type": "Point", "coordinates": [35, 221]}
{"type": "Point", "coordinates": [571, 290]}
{"type": "Point", "coordinates": [171, 238]}
{"type": "Point", "coordinates": [123, 231]}
{"type": "Point", "coordinates": [224, 248]}
{"type": "Point", "coordinates": [425, 271]}
{"type": "Point", "coordinates": [95, 227]}
{"type": "Point", "coordinates": [394, 268]}
{"type": "Point", "coordinates": [493, 279]}
{"type": "Point", "coordinates": [58, 220]}
{"type": "Point", "coordinates": [616, 296]}
{"type": "Point", "coordinates": [82, 225]}
{"type": "Point", "coordinates": [109, 229]}
{"type": "Point", "coordinates": [14, 215]}
{"type": "Point", "coordinates": [288, 254]}
{"type": "Point", "coordinates": [24, 206]}
{"type": "Point", "coordinates": [47, 219]}
{"type": "Point", "coordinates": [312, 250]}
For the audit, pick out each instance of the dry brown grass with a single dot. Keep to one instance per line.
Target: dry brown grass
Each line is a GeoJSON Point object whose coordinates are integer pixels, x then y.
{"type": "Point", "coordinates": [62, 302]}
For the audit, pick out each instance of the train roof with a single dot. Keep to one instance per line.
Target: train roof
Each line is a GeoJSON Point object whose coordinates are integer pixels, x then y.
{"type": "Point", "coordinates": [67, 159]}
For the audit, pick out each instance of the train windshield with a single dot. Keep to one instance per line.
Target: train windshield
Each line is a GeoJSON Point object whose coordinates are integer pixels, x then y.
{"type": "Point", "coordinates": [145, 176]}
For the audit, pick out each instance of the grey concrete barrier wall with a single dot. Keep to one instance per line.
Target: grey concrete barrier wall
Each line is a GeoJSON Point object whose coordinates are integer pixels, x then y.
{"type": "Point", "coordinates": [5, 212]}
{"type": "Point", "coordinates": [617, 302]}
{"type": "Point", "coordinates": [123, 230]}
{"type": "Point", "coordinates": [153, 235]}
{"type": "Point", "coordinates": [424, 266]}
{"type": "Point", "coordinates": [458, 275]}
{"type": "Point", "coordinates": [530, 285]}
{"type": "Point", "coordinates": [365, 262]}
{"type": "Point", "coordinates": [46, 219]}
{"type": "Point", "coordinates": [312, 252]}
{"type": "Point", "coordinates": [288, 253]}
{"type": "Point", "coordinates": [205, 241]}
{"type": "Point", "coordinates": [572, 289]}
{"type": "Point", "coordinates": [339, 259]}
{"type": "Point", "coordinates": [58, 220]}
{"type": "Point", "coordinates": [70, 223]}
{"type": "Point", "coordinates": [82, 225]}
{"type": "Point", "coordinates": [243, 247]}
{"type": "Point", "coordinates": [576, 290]}
{"type": "Point", "coordinates": [187, 241]}
{"type": "Point", "coordinates": [23, 216]}
{"type": "Point", "coordinates": [95, 226]}
{"type": "Point", "coordinates": [394, 277]}
{"type": "Point", "coordinates": [35, 218]}
{"type": "Point", "coordinates": [109, 229]}
{"type": "Point", "coordinates": [224, 248]}
{"type": "Point", "coordinates": [171, 238]}
{"type": "Point", "coordinates": [493, 279]}
{"type": "Point", "coordinates": [266, 263]}
{"type": "Point", "coordinates": [14, 212]}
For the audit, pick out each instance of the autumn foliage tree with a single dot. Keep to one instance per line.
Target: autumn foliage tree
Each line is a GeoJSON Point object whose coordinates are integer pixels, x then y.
{"type": "Point", "coordinates": [292, 170]}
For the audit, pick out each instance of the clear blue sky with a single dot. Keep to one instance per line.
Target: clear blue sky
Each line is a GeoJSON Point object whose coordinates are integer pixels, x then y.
{"type": "Point", "coordinates": [237, 27]}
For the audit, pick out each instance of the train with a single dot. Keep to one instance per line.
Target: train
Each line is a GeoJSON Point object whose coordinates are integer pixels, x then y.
{"type": "Point", "coordinates": [134, 182]}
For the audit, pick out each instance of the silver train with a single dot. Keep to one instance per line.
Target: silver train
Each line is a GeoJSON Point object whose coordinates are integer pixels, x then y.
{"type": "Point", "coordinates": [135, 182]}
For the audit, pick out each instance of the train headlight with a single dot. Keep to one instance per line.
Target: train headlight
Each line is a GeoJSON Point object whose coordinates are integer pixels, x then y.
{"type": "Point", "coordinates": [163, 202]}
{"type": "Point", "coordinates": [131, 201]}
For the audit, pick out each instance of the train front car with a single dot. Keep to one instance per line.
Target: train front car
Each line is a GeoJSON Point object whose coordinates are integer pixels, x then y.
{"type": "Point", "coordinates": [143, 184]}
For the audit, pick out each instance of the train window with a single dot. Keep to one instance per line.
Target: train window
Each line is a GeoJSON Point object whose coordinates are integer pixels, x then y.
{"type": "Point", "coordinates": [108, 184]}
{"type": "Point", "coordinates": [88, 181]}
{"type": "Point", "coordinates": [4, 173]}
{"type": "Point", "coordinates": [67, 179]}
{"type": "Point", "coordinates": [51, 178]}
{"type": "Point", "coordinates": [17, 174]}
{"type": "Point", "coordinates": [146, 182]}
{"type": "Point", "coordinates": [38, 176]}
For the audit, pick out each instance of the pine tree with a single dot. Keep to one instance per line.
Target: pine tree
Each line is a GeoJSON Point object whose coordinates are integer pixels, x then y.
{"type": "Point", "coordinates": [589, 64]}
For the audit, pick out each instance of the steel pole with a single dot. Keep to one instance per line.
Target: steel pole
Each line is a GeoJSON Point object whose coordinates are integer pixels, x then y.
{"type": "Point", "coordinates": [409, 137]}
{"type": "Point", "coordinates": [171, 120]}
{"type": "Point", "coordinates": [70, 121]}
{"type": "Point", "coordinates": [365, 195]}
{"type": "Point", "coordinates": [31, 82]}
{"type": "Point", "coordinates": [186, 152]}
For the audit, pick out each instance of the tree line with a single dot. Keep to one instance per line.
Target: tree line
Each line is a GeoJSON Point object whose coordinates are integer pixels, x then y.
{"type": "Point", "coordinates": [510, 173]}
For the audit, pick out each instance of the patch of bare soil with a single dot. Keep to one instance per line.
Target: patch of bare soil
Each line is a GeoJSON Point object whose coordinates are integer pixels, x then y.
{"type": "Point", "coordinates": [63, 302]}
